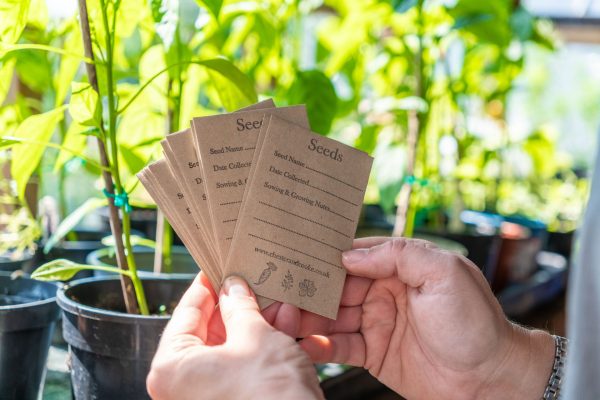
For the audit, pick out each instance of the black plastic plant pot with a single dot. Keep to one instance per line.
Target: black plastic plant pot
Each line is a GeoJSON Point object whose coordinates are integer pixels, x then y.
{"type": "Point", "coordinates": [110, 350]}
{"type": "Point", "coordinates": [183, 264]}
{"type": "Point", "coordinates": [28, 314]}
{"type": "Point", "coordinates": [9, 263]}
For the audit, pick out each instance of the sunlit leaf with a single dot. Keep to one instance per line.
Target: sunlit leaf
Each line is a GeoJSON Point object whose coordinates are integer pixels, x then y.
{"type": "Point", "coordinates": [13, 18]}
{"type": "Point", "coordinates": [135, 240]}
{"type": "Point", "coordinates": [235, 89]}
{"type": "Point", "coordinates": [214, 6]}
{"type": "Point", "coordinates": [315, 90]}
{"type": "Point", "coordinates": [72, 220]}
{"type": "Point", "coordinates": [68, 66]}
{"type": "Point", "coordinates": [84, 106]}
{"type": "Point", "coordinates": [75, 141]}
{"type": "Point", "coordinates": [62, 270]}
{"type": "Point", "coordinates": [27, 156]}
{"type": "Point", "coordinates": [488, 21]}
{"type": "Point", "coordinates": [132, 160]}
{"type": "Point", "coordinates": [38, 14]}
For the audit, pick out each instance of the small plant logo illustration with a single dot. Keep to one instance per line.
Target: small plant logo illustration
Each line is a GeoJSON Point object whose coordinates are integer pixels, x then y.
{"type": "Point", "coordinates": [288, 281]}
{"type": "Point", "coordinates": [307, 288]}
{"type": "Point", "coordinates": [266, 274]}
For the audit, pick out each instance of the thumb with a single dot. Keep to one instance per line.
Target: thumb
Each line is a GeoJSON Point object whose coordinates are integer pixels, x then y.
{"type": "Point", "coordinates": [240, 311]}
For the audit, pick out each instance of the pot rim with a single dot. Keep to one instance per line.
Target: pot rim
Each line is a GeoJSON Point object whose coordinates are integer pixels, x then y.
{"type": "Point", "coordinates": [29, 304]}
{"type": "Point", "coordinates": [69, 305]}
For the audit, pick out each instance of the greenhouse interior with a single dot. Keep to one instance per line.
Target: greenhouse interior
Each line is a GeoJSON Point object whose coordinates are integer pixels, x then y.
{"type": "Point", "coordinates": [318, 199]}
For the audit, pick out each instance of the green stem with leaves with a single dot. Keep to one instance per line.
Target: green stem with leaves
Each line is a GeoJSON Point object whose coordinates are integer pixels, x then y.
{"type": "Point", "coordinates": [112, 143]}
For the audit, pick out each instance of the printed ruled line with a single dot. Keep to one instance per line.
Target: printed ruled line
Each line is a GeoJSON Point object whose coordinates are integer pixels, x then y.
{"type": "Point", "coordinates": [297, 233]}
{"type": "Point", "coordinates": [304, 218]}
{"type": "Point", "coordinates": [339, 215]}
{"type": "Point", "coordinates": [331, 194]}
{"type": "Point", "coordinates": [230, 202]}
{"type": "Point", "coordinates": [333, 177]}
{"type": "Point", "coordinates": [230, 220]}
{"type": "Point", "coordinates": [292, 249]}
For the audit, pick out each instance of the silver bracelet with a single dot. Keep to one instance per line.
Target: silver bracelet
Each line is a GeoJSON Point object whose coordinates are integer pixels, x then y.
{"type": "Point", "coordinates": [552, 391]}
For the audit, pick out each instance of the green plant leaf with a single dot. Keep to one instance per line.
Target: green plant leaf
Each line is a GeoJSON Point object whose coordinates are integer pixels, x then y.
{"type": "Point", "coordinates": [62, 270]}
{"type": "Point", "coordinates": [402, 6]}
{"type": "Point", "coordinates": [68, 66]}
{"type": "Point", "coordinates": [84, 106]}
{"type": "Point", "coordinates": [6, 143]}
{"type": "Point", "coordinates": [13, 18]}
{"type": "Point", "coordinates": [75, 141]}
{"type": "Point", "coordinates": [235, 89]}
{"type": "Point", "coordinates": [136, 240]}
{"type": "Point", "coordinates": [214, 6]}
{"type": "Point", "coordinates": [27, 156]}
{"type": "Point", "coordinates": [131, 158]}
{"type": "Point", "coordinates": [315, 90]}
{"type": "Point", "coordinates": [72, 220]}
{"type": "Point", "coordinates": [488, 21]}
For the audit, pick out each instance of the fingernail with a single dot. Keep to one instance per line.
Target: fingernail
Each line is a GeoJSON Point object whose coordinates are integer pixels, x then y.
{"type": "Point", "coordinates": [354, 256]}
{"type": "Point", "coordinates": [236, 287]}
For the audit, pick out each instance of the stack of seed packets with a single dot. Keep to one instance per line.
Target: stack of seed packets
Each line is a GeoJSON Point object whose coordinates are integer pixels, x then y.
{"type": "Point", "coordinates": [256, 194]}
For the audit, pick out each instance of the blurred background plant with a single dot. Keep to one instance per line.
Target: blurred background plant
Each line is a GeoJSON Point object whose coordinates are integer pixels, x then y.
{"type": "Point", "coordinates": [436, 90]}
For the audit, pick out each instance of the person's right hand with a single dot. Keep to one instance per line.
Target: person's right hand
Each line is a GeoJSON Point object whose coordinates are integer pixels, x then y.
{"type": "Point", "coordinates": [425, 323]}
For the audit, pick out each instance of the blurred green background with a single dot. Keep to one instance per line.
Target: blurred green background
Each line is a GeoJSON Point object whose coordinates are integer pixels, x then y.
{"type": "Point", "coordinates": [474, 105]}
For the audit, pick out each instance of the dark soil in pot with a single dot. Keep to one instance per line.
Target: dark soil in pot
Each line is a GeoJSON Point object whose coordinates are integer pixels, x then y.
{"type": "Point", "coordinates": [28, 312]}
{"type": "Point", "coordinates": [111, 351]}
{"type": "Point", "coordinates": [183, 265]}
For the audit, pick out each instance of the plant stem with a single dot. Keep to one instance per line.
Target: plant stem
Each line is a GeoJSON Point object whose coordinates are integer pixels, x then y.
{"type": "Point", "coordinates": [405, 214]}
{"type": "Point", "coordinates": [127, 285]}
{"type": "Point", "coordinates": [112, 132]}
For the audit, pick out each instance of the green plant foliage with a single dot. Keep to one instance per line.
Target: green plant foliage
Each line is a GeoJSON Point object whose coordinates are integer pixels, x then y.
{"type": "Point", "coordinates": [214, 6]}
{"type": "Point", "coordinates": [13, 18]}
{"type": "Point", "coordinates": [63, 270]}
{"type": "Point", "coordinates": [234, 88]}
{"type": "Point", "coordinates": [27, 156]}
{"type": "Point", "coordinates": [315, 90]}
{"type": "Point", "coordinates": [83, 106]}
{"type": "Point", "coordinates": [74, 219]}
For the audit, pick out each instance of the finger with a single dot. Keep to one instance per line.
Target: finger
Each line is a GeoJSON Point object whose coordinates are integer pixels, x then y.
{"type": "Point", "coordinates": [270, 312]}
{"type": "Point", "coordinates": [192, 314]}
{"type": "Point", "coordinates": [240, 312]}
{"type": "Point", "coordinates": [355, 290]}
{"type": "Point", "coordinates": [412, 261]}
{"type": "Point", "coordinates": [340, 348]}
{"type": "Point", "coordinates": [348, 321]}
{"type": "Point", "coordinates": [362, 243]}
{"type": "Point", "coordinates": [287, 320]}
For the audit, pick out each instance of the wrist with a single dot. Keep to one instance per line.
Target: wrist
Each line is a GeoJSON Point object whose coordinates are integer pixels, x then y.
{"type": "Point", "coordinates": [524, 368]}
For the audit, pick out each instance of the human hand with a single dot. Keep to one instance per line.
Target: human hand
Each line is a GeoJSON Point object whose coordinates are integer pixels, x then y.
{"type": "Point", "coordinates": [425, 323]}
{"type": "Point", "coordinates": [234, 353]}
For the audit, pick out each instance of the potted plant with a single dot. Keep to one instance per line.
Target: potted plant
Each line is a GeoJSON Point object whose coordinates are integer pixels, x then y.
{"type": "Point", "coordinates": [112, 325]}
{"type": "Point", "coordinates": [28, 313]}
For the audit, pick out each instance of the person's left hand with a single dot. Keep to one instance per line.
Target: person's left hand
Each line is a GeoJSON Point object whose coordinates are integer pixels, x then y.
{"type": "Point", "coordinates": [232, 354]}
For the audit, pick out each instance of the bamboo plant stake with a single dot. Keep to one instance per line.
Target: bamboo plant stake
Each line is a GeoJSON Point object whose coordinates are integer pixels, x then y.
{"type": "Point", "coordinates": [126, 283]}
